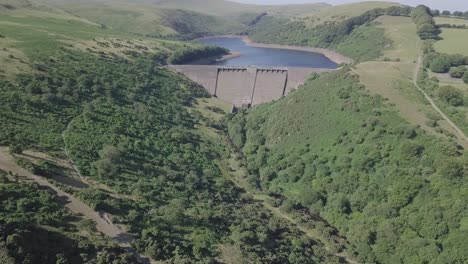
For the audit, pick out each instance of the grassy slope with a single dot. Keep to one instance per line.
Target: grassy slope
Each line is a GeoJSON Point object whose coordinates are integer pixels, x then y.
{"type": "Point", "coordinates": [162, 18]}
{"type": "Point", "coordinates": [152, 20]}
{"type": "Point", "coordinates": [341, 12]}
{"type": "Point", "coordinates": [217, 7]}
{"type": "Point", "coordinates": [393, 80]}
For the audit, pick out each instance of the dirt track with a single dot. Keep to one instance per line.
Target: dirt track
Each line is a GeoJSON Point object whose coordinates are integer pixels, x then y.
{"type": "Point", "coordinates": [463, 140]}
{"type": "Point", "coordinates": [102, 220]}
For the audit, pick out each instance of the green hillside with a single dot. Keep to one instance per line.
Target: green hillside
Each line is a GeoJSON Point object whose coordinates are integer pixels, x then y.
{"type": "Point", "coordinates": [184, 18]}
{"type": "Point", "coordinates": [222, 8]}
{"type": "Point", "coordinates": [154, 21]}
{"type": "Point", "coordinates": [358, 37]}
{"type": "Point", "coordinates": [94, 112]}
{"type": "Point", "coordinates": [394, 191]}
{"type": "Point", "coordinates": [341, 12]}
{"type": "Point", "coordinates": [359, 165]}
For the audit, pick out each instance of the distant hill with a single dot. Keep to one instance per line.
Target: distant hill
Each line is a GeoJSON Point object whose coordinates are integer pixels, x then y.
{"type": "Point", "coordinates": [342, 12]}
{"type": "Point", "coordinates": [217, 7]}
{"type": "Point", "coordinates": [178, 17]}
{"type": "Point", "coordinates": [150, 20]}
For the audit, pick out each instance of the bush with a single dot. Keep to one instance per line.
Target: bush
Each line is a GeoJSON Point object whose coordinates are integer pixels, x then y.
{"type": "Point", "coordinates": [451, 96]}
{"type": "Point", "coordinates": [465, 77]}
{"type": "Point", "coordinates": [185, 55]}
{"type": "Point", "coordinates": [440, 65]}
{"type": "Point", "coordinates": [458, 72]}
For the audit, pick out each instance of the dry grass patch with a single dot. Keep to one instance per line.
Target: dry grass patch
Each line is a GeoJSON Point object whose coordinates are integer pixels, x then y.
{"type": "Point", "coordinates": [402, 32]}
{"type": "Point", "coordinates": [393, 81]}
{"type": "Point", "coordinates": [12, 61]}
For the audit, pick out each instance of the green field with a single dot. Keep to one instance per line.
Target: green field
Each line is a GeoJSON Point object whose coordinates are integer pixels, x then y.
{"type": "Point", "coordinates": [451, 21]}
{"type": "Point", "coordinates": [454, 41]}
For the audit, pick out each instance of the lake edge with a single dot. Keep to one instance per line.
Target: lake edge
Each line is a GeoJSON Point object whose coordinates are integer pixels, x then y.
{"type": "Point", "coordinates": [332, 55]}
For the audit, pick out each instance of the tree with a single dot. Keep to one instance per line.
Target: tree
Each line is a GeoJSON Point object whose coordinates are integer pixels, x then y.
{"type": "Point", "coordinates": [458, 72]}
{"type": "Point", "coordinates": [435, 12]}
{"type": "Point", "coordinates": [465, 77]}
{"type": "Point", "coordinates": [440, 65]}
{"type": "Point", "coordinates": [451, 96]}
{"type": "Point", "coordinates": [446, 13]}
{"type": "Point", "coordinates": [458, 13]}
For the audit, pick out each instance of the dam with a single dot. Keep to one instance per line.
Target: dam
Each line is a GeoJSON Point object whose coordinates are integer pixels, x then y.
{"type": "Point", "coordinates": [247, 86]}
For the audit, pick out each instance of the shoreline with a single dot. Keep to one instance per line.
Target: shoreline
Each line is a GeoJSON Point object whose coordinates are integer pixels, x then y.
{"type": "Point", "coordinates": [214, 59]}
{"type": "Point", "coordinates": [330, 54]}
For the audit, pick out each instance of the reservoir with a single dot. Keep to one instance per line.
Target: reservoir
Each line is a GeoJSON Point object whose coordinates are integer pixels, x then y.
{"type": "Point", "coordinates": [268, 57]}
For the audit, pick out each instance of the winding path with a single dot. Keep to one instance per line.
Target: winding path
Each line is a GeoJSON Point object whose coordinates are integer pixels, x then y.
{"type": "Point", "coordinates": [103, 222]}
{"type": "Point", "coordinates": [460, 133]}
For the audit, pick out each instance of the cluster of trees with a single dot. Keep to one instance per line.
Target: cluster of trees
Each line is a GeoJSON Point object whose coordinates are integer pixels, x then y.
{"type": "Point", "coordinates": [386, 185]}
{"type": "Point", "coordinates": [189, 54]}
{"type": "Point", "coordinates": [454, 64]}
{"type": "Point", "coordinates": [437, 12]}
{"type": "Point", "coordinates": [451, 96]}
{"type": "Point", "coordinates": [35, 228]}
{"type": "Point", "coordinates": [463, 26]}
{"type": "Point", "coordinates": [426, 26]}
{"type": "Point", "coordinates": [364, 44]}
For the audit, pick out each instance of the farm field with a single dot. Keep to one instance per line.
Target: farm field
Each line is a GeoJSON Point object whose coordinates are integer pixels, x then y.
{"type": "Point", "coordinates": [454, 41]}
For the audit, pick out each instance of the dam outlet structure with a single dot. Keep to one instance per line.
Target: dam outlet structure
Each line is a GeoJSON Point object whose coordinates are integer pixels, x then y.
{"type": "Point", "coordinates": [244, 87]}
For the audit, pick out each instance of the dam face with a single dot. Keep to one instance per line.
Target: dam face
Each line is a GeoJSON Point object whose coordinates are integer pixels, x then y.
{"type": "Point", "coordinates": [246, 86]}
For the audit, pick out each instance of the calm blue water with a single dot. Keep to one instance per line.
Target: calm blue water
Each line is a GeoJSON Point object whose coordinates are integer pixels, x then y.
{"type": "Point", "coordinates": [268, 56]}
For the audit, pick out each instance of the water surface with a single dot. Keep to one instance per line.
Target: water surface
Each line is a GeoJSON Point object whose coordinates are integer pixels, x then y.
{"type": "Point", "coordinates": [254, 56]}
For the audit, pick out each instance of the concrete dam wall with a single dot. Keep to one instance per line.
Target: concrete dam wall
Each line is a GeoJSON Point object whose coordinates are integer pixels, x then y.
{"type": "Point", "coordinates": [246, 86]}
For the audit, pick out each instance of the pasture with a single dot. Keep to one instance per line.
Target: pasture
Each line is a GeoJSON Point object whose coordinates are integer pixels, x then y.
{"type": "Point", "coordinates": [402, 32]}
{"type": "Point", "coordinates": [454, 41]}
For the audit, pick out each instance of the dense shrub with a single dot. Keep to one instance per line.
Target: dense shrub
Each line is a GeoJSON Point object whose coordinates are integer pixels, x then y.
{"type": "Point", "coordinates": [442, 63]}
{"type": "Point", "coordinates": [426, 27]}
{"type": "Point", "coordinates": [188, 54]}
{"type": "Point", "coordinates": [458, 72]}
{"type": "Point", "coordinates": [451, 96]}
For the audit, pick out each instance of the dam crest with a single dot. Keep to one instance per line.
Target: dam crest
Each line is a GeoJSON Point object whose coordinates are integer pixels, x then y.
{"type": "Point", "coordinates": [247, 86]}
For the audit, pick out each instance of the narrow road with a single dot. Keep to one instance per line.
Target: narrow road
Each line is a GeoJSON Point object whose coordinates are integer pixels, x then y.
{"type": "Point", "coordinates": [102, 220]}
{"type": "Point", "coordinates": [460, 133]}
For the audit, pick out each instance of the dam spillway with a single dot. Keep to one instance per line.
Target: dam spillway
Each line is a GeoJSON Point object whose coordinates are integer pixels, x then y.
{"type": "Point", "coordinates": [247, 86]}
